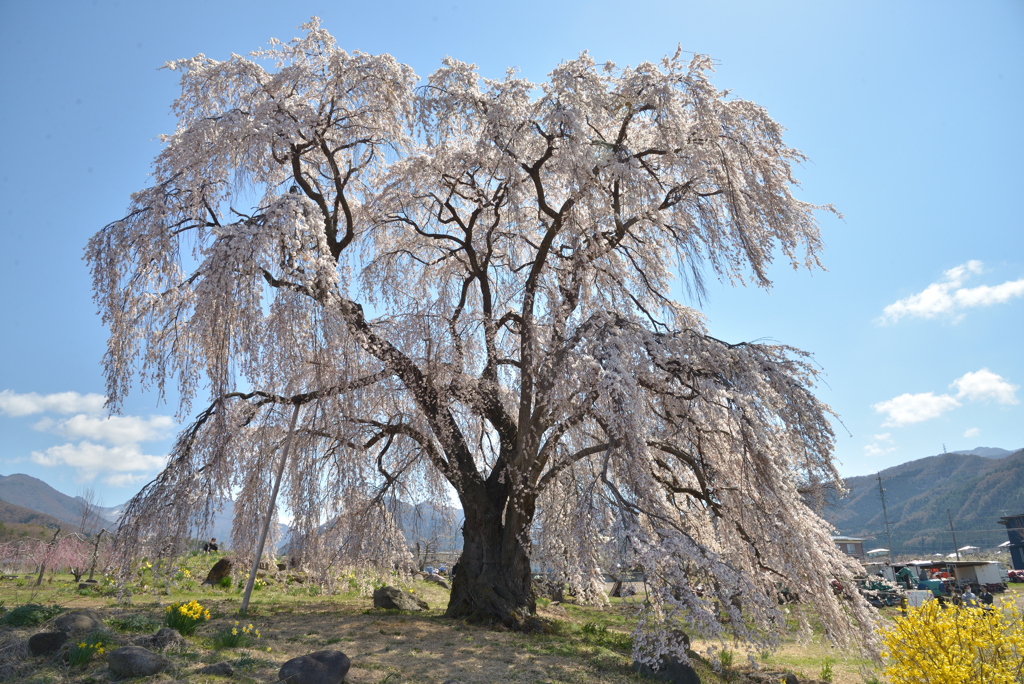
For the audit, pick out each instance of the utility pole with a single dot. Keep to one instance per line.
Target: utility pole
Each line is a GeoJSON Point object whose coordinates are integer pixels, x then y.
{"type": "Point", "coordinates": [955, 547]}
{"type": "Point", "coordinates": [885, 515]}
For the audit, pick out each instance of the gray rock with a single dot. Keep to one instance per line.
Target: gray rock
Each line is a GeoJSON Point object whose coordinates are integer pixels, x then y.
{"type": "Point", "coordinates": [556, 608]}
{"type": "Point", "coordinates": [85, 620]}
{"type": "Point", "coordinates": [671, 670]}
{"type": "Point", "coordinates": [163, 639]}
{"type": "Point", "coordinates": [218, 670]}
{"type": "Point", "coordinates": [439, 581]}
{"type": "Point", "coordinates": [393, 598]}
{"type": "Point", "coordinates": [791, 679]}
{"type": "Point", "coordinates": [46, 643]}
{"type": "Point", "coordinates": [135, 661]}
{"type": "Point", "coordinates": [322, 667]}
{"type": "Point", "coordinates": [219, 571]}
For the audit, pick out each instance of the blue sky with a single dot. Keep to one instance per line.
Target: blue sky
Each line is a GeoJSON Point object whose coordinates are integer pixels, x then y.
{"type": "Point", "coordinates": [909, 112]}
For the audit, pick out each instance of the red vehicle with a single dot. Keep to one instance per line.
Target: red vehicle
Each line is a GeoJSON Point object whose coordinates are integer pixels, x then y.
{"type": "Point", "coordinates": [1016, 575]}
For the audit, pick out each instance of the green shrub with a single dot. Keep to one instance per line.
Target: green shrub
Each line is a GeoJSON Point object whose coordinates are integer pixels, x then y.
{"type": "Point", "coordinates": [726, 657]}
{"type": "Point", "coordinates": [225, 582]}
{"type": "Point", "coordinates": [30, 615]}
{"type": "Point", "coordinates": [827, 671]}
{"type": "Point", "coordinates": [236, 637]}
{"type": "Point", "coordinates": [81, 651]}
{"type": "Point", "coordinates": [134, 623]}
{"type": "Point", "coordinates": [185, 617]}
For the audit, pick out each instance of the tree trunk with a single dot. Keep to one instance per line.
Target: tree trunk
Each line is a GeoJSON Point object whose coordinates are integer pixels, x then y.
{"type": "Point", "coordinates": [95, 553]}
{"type": "Point", "coordinates": [493, 582]}
{"type": "Point", "coordinates": [42, 565]}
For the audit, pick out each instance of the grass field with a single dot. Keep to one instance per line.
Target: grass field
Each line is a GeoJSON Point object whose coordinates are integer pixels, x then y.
{"type": "Point", "coordinates": [584, 644]}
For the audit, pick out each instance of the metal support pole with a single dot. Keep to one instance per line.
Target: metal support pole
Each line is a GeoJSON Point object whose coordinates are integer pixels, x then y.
{"type": "Point", "coordinates": [955, 547]}
{"type": "Point", "coordinates": [270, 514]}
{"type": "Point", "coordinates": [885, 514]}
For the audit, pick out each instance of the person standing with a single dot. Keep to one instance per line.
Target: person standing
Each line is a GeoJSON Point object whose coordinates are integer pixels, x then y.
{"type": "Point", "coordinates": [970, 598]}
{"type": "Point", "coordinates": [985, 597]}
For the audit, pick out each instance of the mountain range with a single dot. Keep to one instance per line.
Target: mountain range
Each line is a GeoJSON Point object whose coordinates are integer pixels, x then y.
{"type": "Point", "coordinates": [973, 488]}
{"type": "Point", "coordinates": [27, 500]}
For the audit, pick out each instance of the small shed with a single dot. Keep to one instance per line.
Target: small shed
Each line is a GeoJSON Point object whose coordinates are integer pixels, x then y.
{"type": "Point", "coordinates": [851, 546]}
{"type": "Point", "coordinates": [965, 572]}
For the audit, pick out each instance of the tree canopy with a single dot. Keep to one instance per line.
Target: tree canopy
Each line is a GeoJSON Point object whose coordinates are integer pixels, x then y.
{"type": "Point", "coordinates": [469, 282]}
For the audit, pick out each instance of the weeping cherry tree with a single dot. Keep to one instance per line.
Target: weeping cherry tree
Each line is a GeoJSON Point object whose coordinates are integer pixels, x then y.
{"type": "Point", "coordinates": [467, 283]}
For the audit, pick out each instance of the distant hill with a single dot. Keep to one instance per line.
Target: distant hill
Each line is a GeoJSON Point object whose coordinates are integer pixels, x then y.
{"type": "Point", "coordinates": [18, 522]}
{"type": "Point", "coordinates": [14, 514]}
{"type": "Point", "coordinates": [986, 452]}
{"type": "Point", "coordinates": [977, 489]}
{"type": "Point", "coordinates": [33, 493]}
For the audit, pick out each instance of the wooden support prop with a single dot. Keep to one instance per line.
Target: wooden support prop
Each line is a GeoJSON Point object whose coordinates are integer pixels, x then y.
{"type": "Point", "coordinates": [270, 514]}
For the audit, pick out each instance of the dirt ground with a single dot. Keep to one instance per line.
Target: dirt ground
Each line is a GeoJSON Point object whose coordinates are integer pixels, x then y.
{"type": "Point", "coordinates": [585, 644]}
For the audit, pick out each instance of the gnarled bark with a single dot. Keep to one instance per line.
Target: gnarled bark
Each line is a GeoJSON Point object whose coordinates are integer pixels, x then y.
{"type": "Point", "coordinates": [493, 582]}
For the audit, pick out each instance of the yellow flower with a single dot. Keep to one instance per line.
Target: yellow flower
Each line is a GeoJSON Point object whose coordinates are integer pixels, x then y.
{"type": "Point", "coordinates": [234, 630]}
{"type": "Point", "coordinates": [932, 645]}
{"type": "Point", "coordinates": [268, 649]}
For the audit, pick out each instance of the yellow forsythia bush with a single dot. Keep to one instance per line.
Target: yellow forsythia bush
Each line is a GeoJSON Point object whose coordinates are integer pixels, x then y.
{"type": "Point", "coordinates": [935, 645]}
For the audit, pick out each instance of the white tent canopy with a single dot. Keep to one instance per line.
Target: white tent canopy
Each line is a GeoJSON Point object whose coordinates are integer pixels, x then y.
{"type": "Point", "coordinates": [876, 552]}
{"type": "Point", "coordinates": [1003, 545]}
{"type": "Point", "coordinates": [968, 549]}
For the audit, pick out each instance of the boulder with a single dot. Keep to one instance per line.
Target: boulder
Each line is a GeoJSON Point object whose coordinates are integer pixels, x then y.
{"type": "Point", "coordinates": [671, 670]}
{"type": "Point", "coordinates": [46, 643]}
{"type": "Point", "coordinates": [439, 581]}
{"type": "Point", "coordinates": [163, 639]}
{"type": "Point", "coordinates": [217, 670]}
{"type": "Point", "coordinates": [85, 620]}
{"type": "Point", "coordinates": [322, 667]}
{"type": "Point", "coordinates": [393, 598]}
{"type": "Point", "coordinates": [135, 661]}
{"type": "Point", "coordinates": [555, 607]}
{"type": "Point", "coordinates": [219, 571]}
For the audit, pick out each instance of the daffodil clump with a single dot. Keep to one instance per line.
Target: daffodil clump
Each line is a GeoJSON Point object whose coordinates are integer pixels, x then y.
{"type": "Point", "coordinates": [237, 636]}
{"type": "Point", "coordinates": [956, 645]}
{"type": "Point", "coordinates": [185, 617]}
{"type": "Point", "coordinates": [81, 651]}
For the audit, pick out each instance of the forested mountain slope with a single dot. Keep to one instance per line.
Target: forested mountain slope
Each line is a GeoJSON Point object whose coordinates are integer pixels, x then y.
{"type": "Point", "coordinates": [977, 490]}
{"type": "Point", "coordinates": [30, 492]}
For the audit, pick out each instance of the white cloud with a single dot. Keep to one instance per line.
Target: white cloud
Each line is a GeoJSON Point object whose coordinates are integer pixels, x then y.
{"type": "Point", "coordinates": [124, 479]}
{"type": "Point", "coordinates": [877, 450]}
{"type": "Point", "coordinates": [17, 405]}
{"type": "Point", "coordinates": [949, 297]}
{"type": "Point", "coordinates": [984, 385]}
{"type": "Point", "coordinates": [91, 459]}
{"type": "Point", "coordinates": [97, 445]}
{"type": "Point", "coordinates": [972, 432]}
{"type": "Point", "coordinates": [914, 408]}
{"type": "Point", "coordinates": [884, 437]}
{"type": "Point", "coordinates": [119, 430]}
